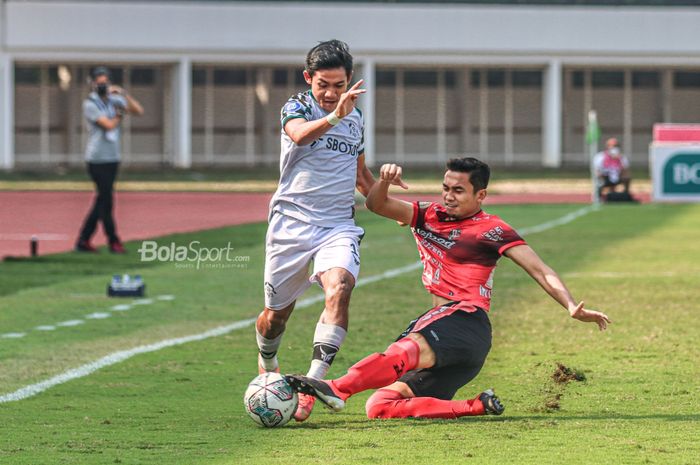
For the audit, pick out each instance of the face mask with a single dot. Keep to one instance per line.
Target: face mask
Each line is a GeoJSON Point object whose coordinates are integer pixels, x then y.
{"type": "Point", "coordinates": [614, 151]}
{"type": "Point", "coordinates": [101, 89]}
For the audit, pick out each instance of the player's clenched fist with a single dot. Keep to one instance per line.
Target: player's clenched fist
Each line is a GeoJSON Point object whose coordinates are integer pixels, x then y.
{"type": "Point", "coordinates": [347, 100]}
{"type": "Point", "coordinates": [391, 173]}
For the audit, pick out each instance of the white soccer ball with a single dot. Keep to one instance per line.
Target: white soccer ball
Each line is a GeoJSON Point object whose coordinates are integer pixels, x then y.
{"type": "Point", "coordinates": [270, 401]}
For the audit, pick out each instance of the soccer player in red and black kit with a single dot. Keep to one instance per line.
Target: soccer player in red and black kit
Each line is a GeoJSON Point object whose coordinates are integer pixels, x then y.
{"type": "Point", "coordinates": [445, 348]}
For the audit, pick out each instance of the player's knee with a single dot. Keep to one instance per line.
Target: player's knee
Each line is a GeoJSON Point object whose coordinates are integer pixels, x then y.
{"type": "Point", "coordinates": [377, 406]}
{"type": "Point", "coordinates": [382, 404]}
{"type": "Point", "coordinates": [341, 287]}
{"type": "Point", "coordinates": [275, 319]}
{"type": "Point", "coordinates": [375, 410]}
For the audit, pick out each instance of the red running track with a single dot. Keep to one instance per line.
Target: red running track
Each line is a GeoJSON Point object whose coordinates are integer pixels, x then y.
{"type": "Point", "coordinates": [56, 217]}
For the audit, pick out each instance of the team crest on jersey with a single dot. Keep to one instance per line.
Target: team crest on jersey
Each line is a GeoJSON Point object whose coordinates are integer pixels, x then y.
{"type": "Point", "coordinates": [454, 234]}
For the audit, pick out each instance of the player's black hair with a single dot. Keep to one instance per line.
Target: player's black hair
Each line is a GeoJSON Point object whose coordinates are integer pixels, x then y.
{"type": "Point", "coordinates": [327, 55]}
{"type": "Point", "coordinates": [100, 71]}
{"type": "Point", "coordinates": [479, 172]}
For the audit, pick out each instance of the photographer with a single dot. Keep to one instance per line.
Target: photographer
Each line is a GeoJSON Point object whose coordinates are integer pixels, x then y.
{"type": "Point", "coordinates": [612, 170]}
{"type": "Point", "coordinates": [104, 109]}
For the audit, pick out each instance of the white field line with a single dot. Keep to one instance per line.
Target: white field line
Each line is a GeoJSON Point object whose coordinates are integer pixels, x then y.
{"type": "Point", "coordinates": [632, 274]}
{"type": "Point", "coordinates": [98, 316]}
{"type": "Point", "coordinates": [120, 356]}
{"type": "Point", "coordinates": [92, 316]}
{"type": "Point", "coordinates": [568, 218]}
{"type": "Point", "coordinates": [121, 308]}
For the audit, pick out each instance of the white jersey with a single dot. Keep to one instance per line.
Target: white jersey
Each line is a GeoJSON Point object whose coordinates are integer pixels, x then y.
{"type": "Point", "coordinates": [317, 181]}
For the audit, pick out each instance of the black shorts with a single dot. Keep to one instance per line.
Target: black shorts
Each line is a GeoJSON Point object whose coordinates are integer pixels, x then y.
{"type": "Point", "coordinates": [461, 341]}
{"type": "Point", "coordinates": [606, 182]}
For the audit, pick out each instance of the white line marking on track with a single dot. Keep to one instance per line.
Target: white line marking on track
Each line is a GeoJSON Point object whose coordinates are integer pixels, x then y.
{"type": "Point", "coordinates": [45, 328]}
{"type": "Point", "coordinates": [166, 297]}
{"type": "Point", "coordinates": [12, 335]}
{"type": "Point", "coordinates": [142, 302]}
{"type": "Point", "coordinates": [117, 357]}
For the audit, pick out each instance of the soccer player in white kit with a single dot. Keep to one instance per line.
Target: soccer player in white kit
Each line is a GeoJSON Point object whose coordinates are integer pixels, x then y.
{"type": "Point", "coordinates": [311, 213]}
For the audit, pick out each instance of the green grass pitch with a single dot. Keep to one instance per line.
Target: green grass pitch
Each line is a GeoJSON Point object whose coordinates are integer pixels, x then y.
{"type": "Point", "coordinates": [183, 405]}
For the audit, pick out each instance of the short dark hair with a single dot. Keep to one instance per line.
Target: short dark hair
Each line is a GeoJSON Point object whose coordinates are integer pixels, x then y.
{"type": "Point", "coordinates": [327, 55]}
{"type": "Point", "coordinates": [479, 172]}
{"type": "Point", "coordinates": [100, 71]}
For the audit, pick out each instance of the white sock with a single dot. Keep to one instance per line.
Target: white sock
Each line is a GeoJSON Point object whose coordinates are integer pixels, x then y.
{"type": "Point", "coordinates": [327, 342]}
{"type": "Point", "coordinates": [267, 357]}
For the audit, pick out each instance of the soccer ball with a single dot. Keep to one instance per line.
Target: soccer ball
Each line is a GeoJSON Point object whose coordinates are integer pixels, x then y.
{"type": "Point", "coordinates": [270, 401]}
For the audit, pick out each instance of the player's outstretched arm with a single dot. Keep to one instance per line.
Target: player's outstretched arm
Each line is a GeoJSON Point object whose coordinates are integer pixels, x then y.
{"type": "Point", "coordinates": [546, 277]}
{"type": "Point", "coordinates": [378, 199]}
{"type": "Point", "coordinates": [304, 132]}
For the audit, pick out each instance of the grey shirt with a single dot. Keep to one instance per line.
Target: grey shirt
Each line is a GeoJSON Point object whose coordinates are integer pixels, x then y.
{"type": "Point", "coordinates": [317, 181]}
{"type": "Point", "coordinates": [102, 144]}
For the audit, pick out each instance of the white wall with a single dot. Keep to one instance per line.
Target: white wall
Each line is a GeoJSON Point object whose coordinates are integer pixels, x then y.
{"type": "Point", "coordinates": [272, 28]}
{"type": "Point", "coordinates": [234, 33]}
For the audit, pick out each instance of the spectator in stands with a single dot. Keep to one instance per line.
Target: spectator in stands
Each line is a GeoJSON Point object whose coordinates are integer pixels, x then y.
{"type": "Point", "coordinates": [612, 169]}
{"type": "Point", "coordinates": [104, 109]}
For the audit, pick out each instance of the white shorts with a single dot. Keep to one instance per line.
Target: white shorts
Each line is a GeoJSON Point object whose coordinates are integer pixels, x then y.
{"type": "Point", "coordinates": [291, 245]}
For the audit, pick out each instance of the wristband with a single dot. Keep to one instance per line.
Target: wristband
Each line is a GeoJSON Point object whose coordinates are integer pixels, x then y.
{"type": "Point", "coordinates": [333, 119]}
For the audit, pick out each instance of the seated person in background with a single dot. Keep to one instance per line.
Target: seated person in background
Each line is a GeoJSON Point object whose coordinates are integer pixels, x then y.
{"type": "Point", "coordinates": [611, 168]}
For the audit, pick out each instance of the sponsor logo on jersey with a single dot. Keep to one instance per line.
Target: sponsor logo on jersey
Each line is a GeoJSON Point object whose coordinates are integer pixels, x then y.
{"type": "Point", "coordinates": [354, 130]}
{"type": "Point", "coordinates": [297, 105]}
{"type": "Point", "coordinates": [432, 248]}
{"type": "Point", "coordinates": [434, 238]}
{"type": "Point", "coordinates": [494, 234]}
{"type": "Point", "coordinates": [293, 106]}
{"type": "Point", "coordinates": [341, 146]}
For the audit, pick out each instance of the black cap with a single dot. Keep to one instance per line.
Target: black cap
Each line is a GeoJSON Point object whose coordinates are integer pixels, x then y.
{"type": "Point", "coordinates": [100, 71]}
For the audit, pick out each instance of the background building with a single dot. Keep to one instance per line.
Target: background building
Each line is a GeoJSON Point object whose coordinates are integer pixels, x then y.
{"type": "Point", "coordinates": [512, 83]}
